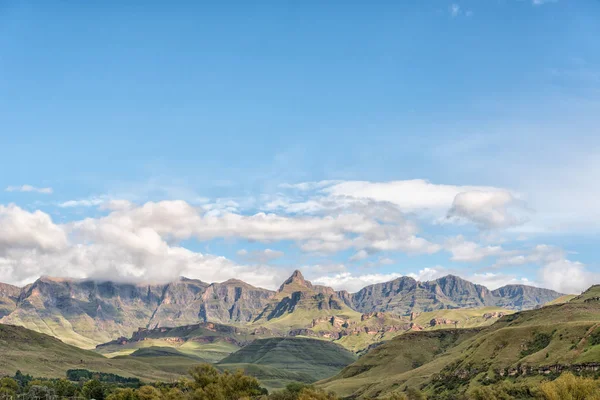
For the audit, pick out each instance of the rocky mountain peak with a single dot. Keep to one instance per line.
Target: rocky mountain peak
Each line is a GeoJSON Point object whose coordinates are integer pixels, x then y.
{"type": "Point", "coordinates": [7, 290]}
{"type": "Point", "coordinates": [295, 282]}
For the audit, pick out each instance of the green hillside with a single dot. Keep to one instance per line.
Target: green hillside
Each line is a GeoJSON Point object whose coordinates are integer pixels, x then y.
{"type": "Point", "coordinates": [560, 300]}
{"type": "Point", "coordinates": [206, 341]}
{"type": "Point", "coordinates": [45, 356]}
{"type": "Point", "coordinates": [445, 363]}
{"type": "Point", "coordinates": [278, 361]}
{"type": "Point", "coordinates": [460, 318]}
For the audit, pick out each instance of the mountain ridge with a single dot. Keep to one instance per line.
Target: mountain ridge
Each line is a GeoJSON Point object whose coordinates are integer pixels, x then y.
{"type": "Point", "coordinates": [87, 312]}
{"type": "Point", "coordinates": [297, 273]}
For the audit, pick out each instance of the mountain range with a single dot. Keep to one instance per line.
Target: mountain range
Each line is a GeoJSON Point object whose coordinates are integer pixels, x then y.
{"type": "Point", "coordinates": [86, 313]}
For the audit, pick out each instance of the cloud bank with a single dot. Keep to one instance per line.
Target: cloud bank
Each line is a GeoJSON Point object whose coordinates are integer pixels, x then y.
{"type": "Point", "coordinates": [367, 221]}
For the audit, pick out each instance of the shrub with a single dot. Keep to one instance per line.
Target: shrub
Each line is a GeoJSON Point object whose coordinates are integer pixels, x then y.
{"type": "Point", "coordinates": [540, 341]}
{"type": "Point", "coordinates": [570, 387]}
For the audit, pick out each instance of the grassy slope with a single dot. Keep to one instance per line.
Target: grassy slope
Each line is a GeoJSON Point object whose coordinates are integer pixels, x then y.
{"type": "Point", "coordinates": [41, 355]}
{"type": "Point", "coordinates": [466, 317]}
{"type": "Point", "coordinates": [59, 327]}
{"type": "Point", "coordinates": [211, 352]}
{"type": "Point", "coordinates": [165, 358]}
{"type": "Point", "coordinates": [402, 354]}
{"type": "Point", "coordinates": [196, 340]}
{"type": "Point", "coordinates": [278, 361]}
{"type": "Point", "coordinates": [508, 343]}
{"type": "Point", "coordinates": [195, 344]}
{"type": "Point", "coordinates": [561, 300]}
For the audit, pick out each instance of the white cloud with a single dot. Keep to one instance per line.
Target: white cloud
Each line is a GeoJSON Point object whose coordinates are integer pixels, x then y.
{"type": "Point", "coordinates": [89, 202]}
{"type": "Point", "coordinates": [488, 209]}
{"type": "Point", "coordinates": [379, 262]}
{"type": "Point", "coordinates": [121, 263]}
{"type": "Point", "coordinates": [428, 274]}
{"type": "Point", "coordinates": [408, 195]}
{"type": "Point", "coordinates": [140, 242]}
{"type": "Point", "coordinates": [20, 229]}
{"type": "Point", "coordinates": [353, 283]}
{"type": "Point", "coordinates": [260, 256]}
{"type": "Point", "coordinates": [116, 205]}
{"type": "Point", "coordinates": [220, 207]}
{"type": "Point", "coordinates": [360, 255]}
{"type": "Point", "coordinates": [494, 281]}
{"type": "Point", "coordinates": [306, 186]}
{"type": "Point", "coordinates": [29, 188]}
{"type": "Point", "coordinates": [539, 254]}
{"type": "Point", "coordinates": [128, 245]}
{"type": "Point", "coordinates": [464, 250]}
{"type": "Point", "coordinates": [319, 269]}
{"type": "Point", "coordinates": [567, 276]}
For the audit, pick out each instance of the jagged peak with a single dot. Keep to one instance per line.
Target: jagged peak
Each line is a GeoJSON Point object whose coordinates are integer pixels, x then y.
{"type": "Point", "coordinates": [296, 279]}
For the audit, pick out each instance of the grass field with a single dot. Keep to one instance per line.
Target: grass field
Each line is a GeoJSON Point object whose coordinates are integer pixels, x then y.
{"type": "Point", "coordinates": [45, 356]}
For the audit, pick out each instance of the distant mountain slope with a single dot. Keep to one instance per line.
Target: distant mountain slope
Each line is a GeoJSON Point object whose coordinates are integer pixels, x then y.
{"type": "Point", "coordinates": [86, 313]}
{"type": "Point", "coordinates": [303, 359]}
{"type": "Point", "coordinates": [44, 356]}
{"type": "Point", "coordinates": [190, 301]}
{"type": "Point", "coordinates": [448, 363]}
{"type": "Point", "coordinates": [405, 295]}
{"type": "Point", "coordinates": [9, 296]}
{"type": "Point", "coordinates": [521, 297]}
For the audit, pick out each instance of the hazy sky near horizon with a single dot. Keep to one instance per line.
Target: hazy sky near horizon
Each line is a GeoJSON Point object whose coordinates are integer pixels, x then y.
{"type": "Point", "coordinates": [357, 142]}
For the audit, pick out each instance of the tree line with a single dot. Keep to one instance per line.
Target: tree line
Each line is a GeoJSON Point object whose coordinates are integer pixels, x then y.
{"type": "Point", "coordinates": [208, 383]}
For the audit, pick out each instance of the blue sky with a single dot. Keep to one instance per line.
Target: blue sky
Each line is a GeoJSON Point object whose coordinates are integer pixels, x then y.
{"type": "Point", "coordinates": [357, 142]}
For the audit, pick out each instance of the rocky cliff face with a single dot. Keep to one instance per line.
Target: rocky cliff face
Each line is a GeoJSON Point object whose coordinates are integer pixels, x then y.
{"type": "Point", "coordinates": [179, 305]}
{"type": "Point", "coordinates": [84, 312]}
{"type": "Point", "coordinates": [521, 297]}
{"type": "Point", "coordinates": [9, 295]}
{"type": "Point", "coordinates": [233, 301]}
{"type": "Point", "coordinates": [405, 295]}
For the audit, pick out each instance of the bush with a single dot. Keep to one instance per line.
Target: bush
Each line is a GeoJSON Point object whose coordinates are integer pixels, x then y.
{"type": "Point", "coordinates": [300, 391]}
{"type": "Point", "coordinates": [540, 341]}
{"type": "Point", "coordinates": [595, 338]}
{"type": "Point", "coordinates": [93, 389]}
{"type": "Point", "coordinates": [210, 384]}
{"type": "Point", "coordinates": [570, 387]}
{"type": "Point", "coordinates": [8, 387]}
{"type": "Point", "coordinates": [123, 394]}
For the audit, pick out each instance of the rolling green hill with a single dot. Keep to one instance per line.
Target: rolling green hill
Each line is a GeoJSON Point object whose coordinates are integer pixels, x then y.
{"type": "Point", "coordinates": [560, 300]}
{"type": "Point", "coordinates": [45, 356]}
{"type": "Point", "coordinates": [278, 361]}
{"type": "Point", "coordinates": [527, 345]}
{"type": "Point", "coordinates": [207, 341]}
